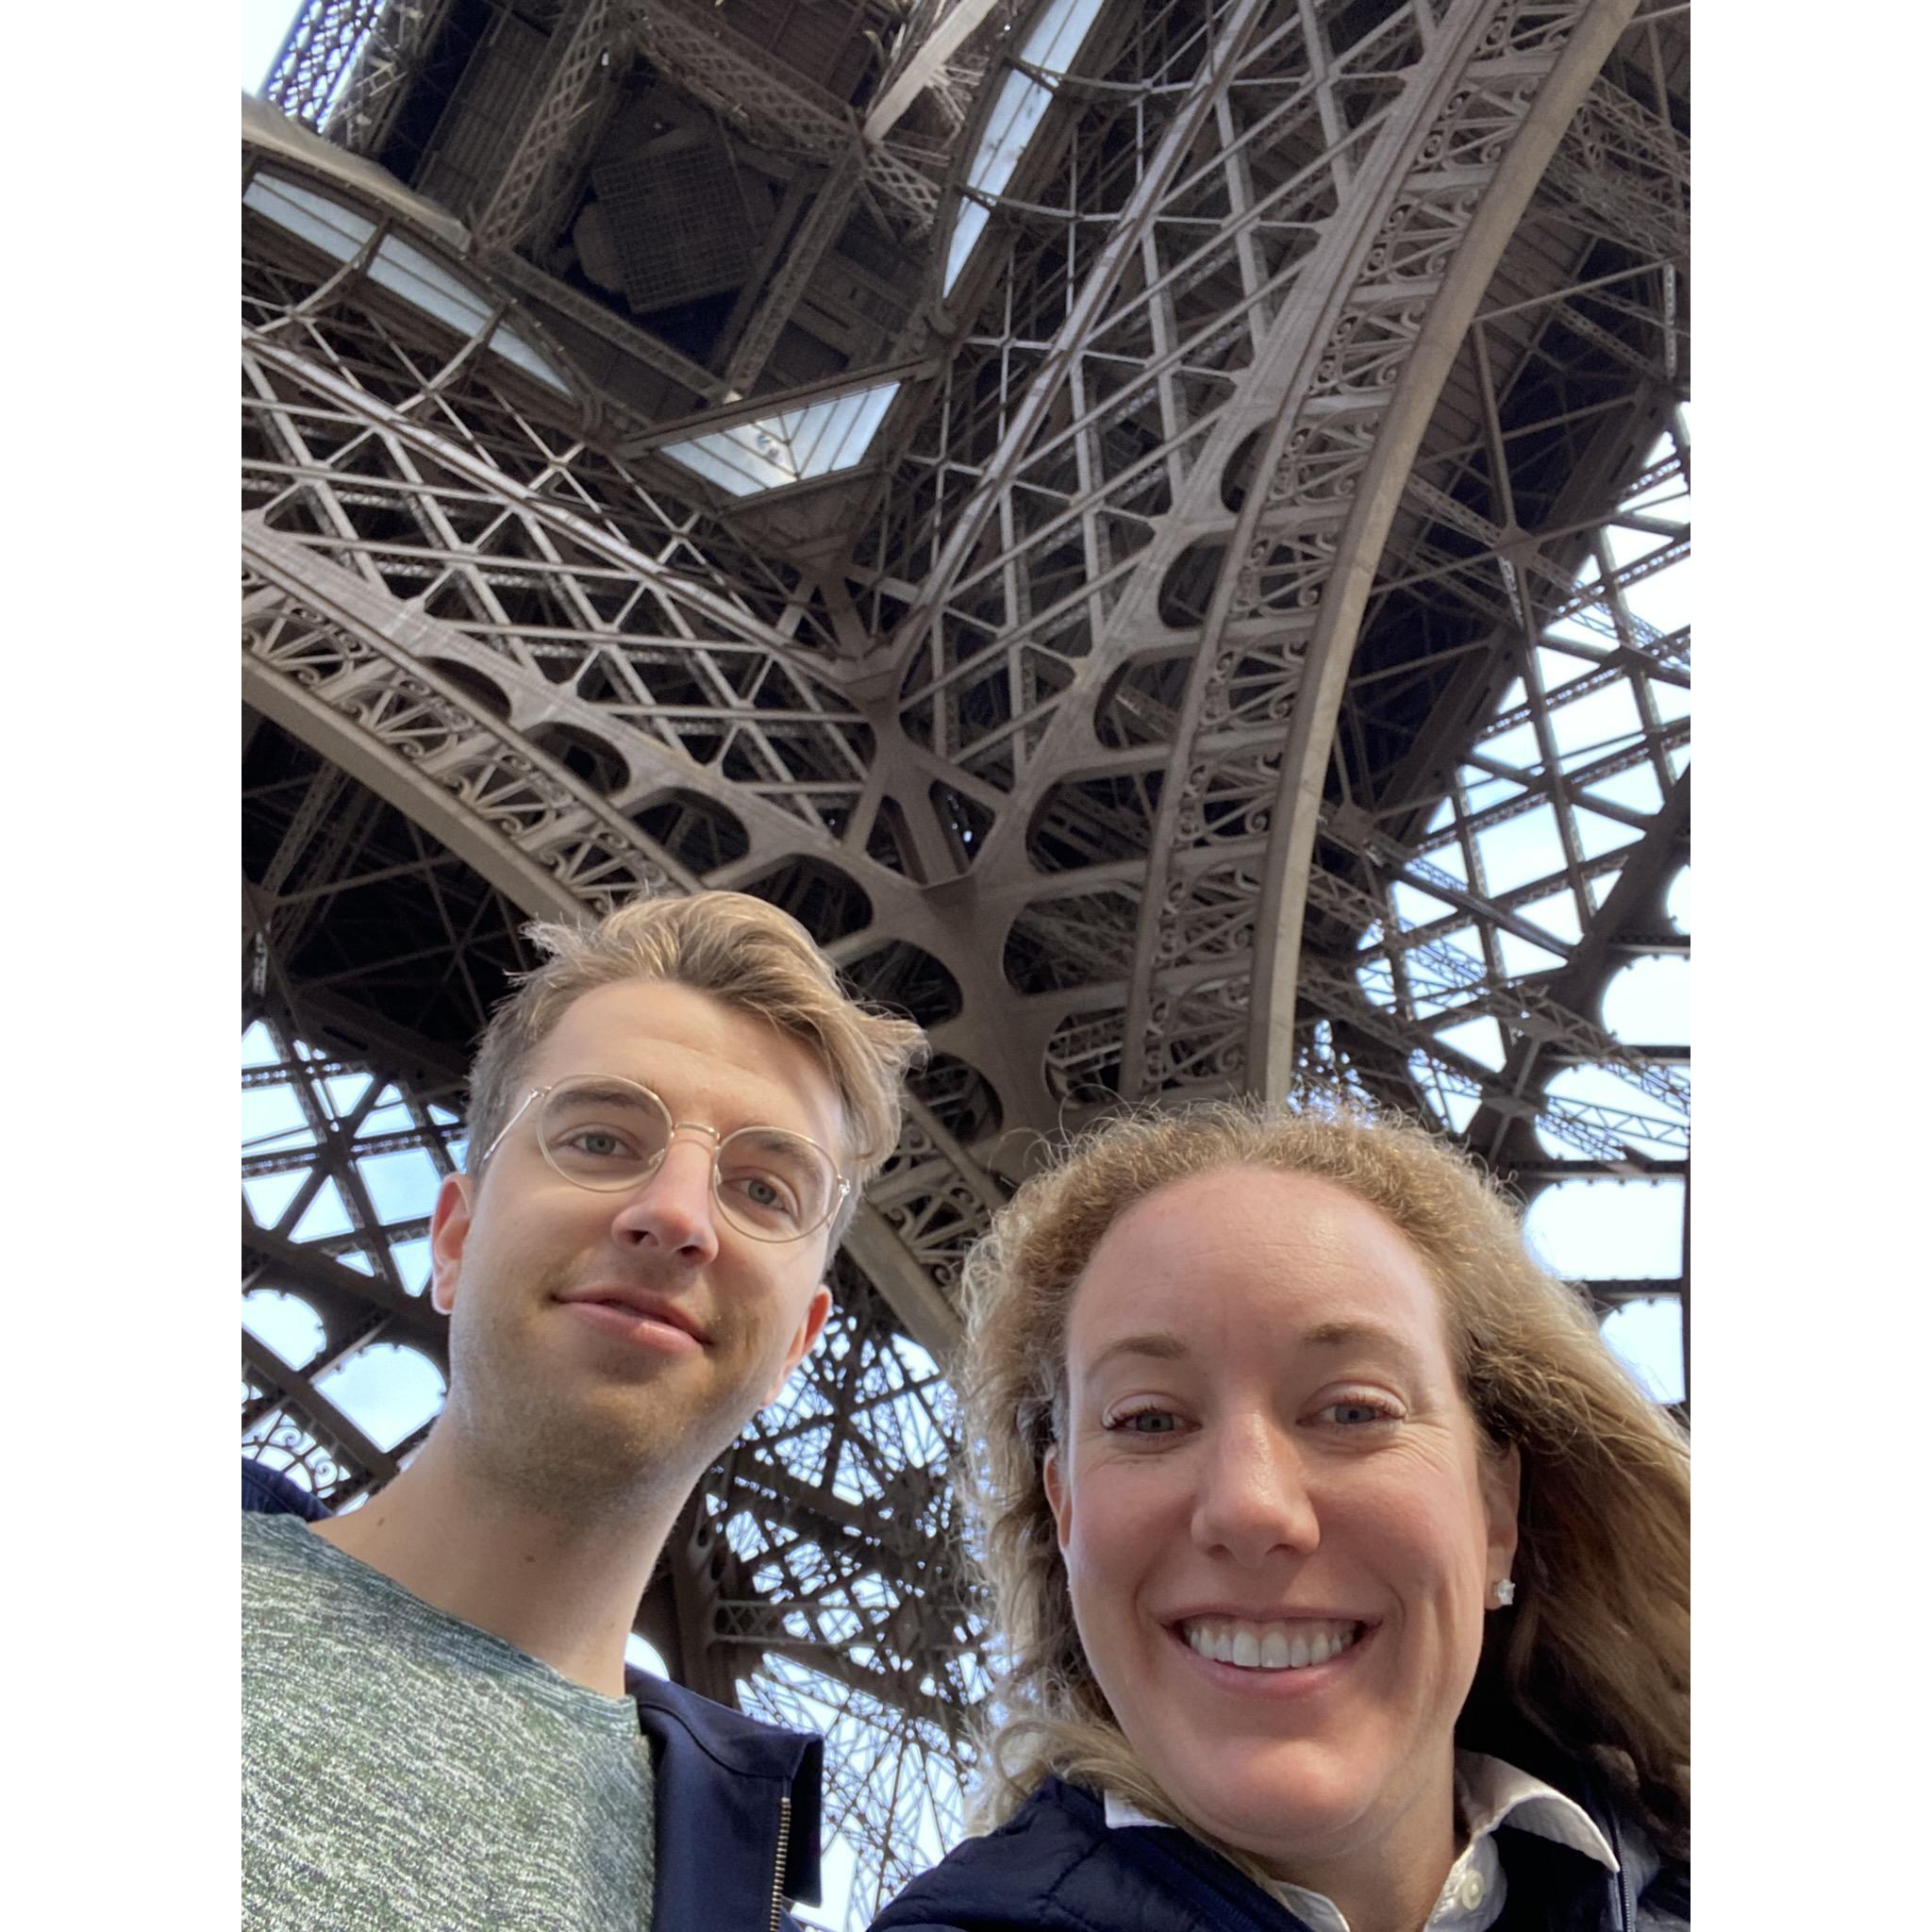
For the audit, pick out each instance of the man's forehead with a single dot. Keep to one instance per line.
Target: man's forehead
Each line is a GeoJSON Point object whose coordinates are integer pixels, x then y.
{"type": "Point", "coordinates": [699, 1047]}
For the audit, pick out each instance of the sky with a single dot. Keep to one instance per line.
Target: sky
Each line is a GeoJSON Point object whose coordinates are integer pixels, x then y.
{"type": "Point", "coordinates": [264, 27]}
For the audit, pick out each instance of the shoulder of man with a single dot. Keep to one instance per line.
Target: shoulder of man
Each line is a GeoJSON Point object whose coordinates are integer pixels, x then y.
{"type": "Point", "coordinates": [268, 1492]}
{"type": "Point", "coordinates": [723, 1777]}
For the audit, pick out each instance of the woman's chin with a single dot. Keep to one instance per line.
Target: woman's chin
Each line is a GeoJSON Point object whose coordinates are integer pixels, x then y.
{"type": "Point", "coordinates": [1246, 1794]}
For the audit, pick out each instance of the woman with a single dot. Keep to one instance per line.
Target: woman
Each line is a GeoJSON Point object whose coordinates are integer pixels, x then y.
{"type": "Point", "coordinates": [1339, 1573]}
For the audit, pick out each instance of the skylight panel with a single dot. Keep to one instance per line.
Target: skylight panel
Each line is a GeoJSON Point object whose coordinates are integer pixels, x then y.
{"type": "Point", "coordinates": [1017, 112]}
{"type": "Point", "coordinates": [399, 266]}
{"type": "Point", "coordinates": [427, 285]}
{"type": "Point", "coordinates": [793, 447]}
{"type": "Point", "coordinates": [338, 231]}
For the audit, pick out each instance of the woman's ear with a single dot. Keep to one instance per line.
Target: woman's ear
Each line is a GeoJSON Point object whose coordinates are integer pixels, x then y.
{"type": "Point", "coordinates": [1501, 1475]}
{"type": "Point", "coordinates": [1059, 1493]}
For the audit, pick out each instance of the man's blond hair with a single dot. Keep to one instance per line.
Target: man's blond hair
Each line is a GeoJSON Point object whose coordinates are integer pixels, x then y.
{"type": "Point", "coordinates": [744, 952]}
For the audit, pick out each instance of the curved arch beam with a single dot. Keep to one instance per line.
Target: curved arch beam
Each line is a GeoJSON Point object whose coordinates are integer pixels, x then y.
{"type": "Point", "coordinates": [1331, 649]}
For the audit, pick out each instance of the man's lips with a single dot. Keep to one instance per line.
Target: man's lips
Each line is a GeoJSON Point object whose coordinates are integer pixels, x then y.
{"type": "Point", "coordinates": [635, 1311]}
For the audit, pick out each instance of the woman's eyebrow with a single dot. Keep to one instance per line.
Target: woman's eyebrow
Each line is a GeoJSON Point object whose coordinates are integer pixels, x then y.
{"type": "Point", "coordinates": [1359, 1335]}
{"type": "Point", "coordinates": [1158, 1344]}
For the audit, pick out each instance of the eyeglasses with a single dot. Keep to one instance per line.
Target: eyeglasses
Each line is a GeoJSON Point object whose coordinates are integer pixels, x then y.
{"type": "Point", "coordinates": [610, 1134]}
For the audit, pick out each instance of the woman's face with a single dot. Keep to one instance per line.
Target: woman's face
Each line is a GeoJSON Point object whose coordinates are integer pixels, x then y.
{"type": "Point", "coordinates": [1268, 1458]}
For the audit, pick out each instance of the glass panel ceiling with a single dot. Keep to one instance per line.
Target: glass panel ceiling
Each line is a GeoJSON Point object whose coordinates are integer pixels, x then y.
{"type": "Point", "coordinates": [1022, 101]}
{"type": "Point", "coordinates": [406, 270]}
{"type": "Point", "coordinates": [816, 441]}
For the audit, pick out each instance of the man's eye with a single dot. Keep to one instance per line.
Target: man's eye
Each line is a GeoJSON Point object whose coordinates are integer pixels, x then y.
{"type": "Point", "coordinates": [765, 1191]}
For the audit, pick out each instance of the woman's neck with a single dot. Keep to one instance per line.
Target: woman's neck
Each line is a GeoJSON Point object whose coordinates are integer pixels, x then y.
{"type": "Point", "coordinates": [1391, 1884]}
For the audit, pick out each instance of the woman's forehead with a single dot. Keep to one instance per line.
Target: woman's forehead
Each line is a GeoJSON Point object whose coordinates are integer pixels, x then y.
{"type": "Point", "coordinates": [1303, 1255]}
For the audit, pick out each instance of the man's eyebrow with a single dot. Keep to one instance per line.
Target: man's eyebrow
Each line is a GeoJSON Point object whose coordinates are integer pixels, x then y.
{"type": "Point", "coordinates": [605, 1089]}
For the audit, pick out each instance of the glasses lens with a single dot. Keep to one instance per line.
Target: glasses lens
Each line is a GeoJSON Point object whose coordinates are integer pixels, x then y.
{"type": "Point", "coordinates": [603, 1133]}
{"type": "Point", "coordinates": [773, 1184]}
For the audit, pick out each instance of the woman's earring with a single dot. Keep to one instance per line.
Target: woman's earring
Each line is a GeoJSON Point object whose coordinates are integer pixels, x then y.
{"type": "Point", "coordinates": [1504, 1594]}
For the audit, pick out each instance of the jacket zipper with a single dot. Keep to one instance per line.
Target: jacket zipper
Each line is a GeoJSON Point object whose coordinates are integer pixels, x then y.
{"type": "Point", "coordinates": [1626, 1900]}
{"type": "Point", "coordinates": [778, 1870]}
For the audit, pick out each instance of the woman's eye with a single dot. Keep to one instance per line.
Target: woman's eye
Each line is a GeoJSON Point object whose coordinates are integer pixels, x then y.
{"type": "Point", "coordinates": [1358, 1412]}
{"type": "Point", "coordinates": [1146, 1421]}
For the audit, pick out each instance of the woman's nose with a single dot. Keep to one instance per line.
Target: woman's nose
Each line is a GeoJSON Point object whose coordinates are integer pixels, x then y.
{"type": "Point", "coordinates": [673, 1208]}
{"type": "Point", "coordinates": [1254, 1497]}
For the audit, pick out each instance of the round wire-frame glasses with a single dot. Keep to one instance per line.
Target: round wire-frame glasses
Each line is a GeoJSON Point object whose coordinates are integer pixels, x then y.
{"type": "Point", "coordinates": [608, 1134]}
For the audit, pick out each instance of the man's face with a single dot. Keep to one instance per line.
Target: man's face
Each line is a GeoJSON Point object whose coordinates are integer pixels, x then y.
{"type": "Point", "coordinates": [600, 1340]}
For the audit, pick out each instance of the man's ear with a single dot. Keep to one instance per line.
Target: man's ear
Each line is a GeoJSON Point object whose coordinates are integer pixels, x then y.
{"type": "Point", "coordinates": [809, 1332]}
{"type": "Point", "coordinates": [1060, 1494]}
{"type": "Point", "coordinates": [449, 1228]}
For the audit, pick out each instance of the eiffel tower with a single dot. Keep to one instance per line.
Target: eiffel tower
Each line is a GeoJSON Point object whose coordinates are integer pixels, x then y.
{"type": "Point", "coordinates": [1156, 530]}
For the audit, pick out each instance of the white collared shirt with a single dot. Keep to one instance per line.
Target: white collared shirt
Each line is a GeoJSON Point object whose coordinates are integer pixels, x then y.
{"type": "Point", "coordinates": [1488, 1791]}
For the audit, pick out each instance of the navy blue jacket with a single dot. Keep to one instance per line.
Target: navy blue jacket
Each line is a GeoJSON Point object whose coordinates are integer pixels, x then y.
{"type": "Point", "coordinates": [729, 1790]}
{"type": "Point", "coordinates": [1056, 1867]}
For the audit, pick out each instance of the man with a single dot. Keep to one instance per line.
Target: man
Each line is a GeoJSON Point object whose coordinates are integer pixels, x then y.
{"type": "Point", "coordinates": [669, 1123]}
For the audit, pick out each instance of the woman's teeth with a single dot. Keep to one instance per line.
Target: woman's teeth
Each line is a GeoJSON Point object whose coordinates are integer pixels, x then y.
{"type": "Point", "coordinates": [1268, 1646]}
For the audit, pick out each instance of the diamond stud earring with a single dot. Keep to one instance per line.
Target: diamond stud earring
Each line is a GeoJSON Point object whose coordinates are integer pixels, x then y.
{"type": "Point", "coordinates": [1504, 1592]}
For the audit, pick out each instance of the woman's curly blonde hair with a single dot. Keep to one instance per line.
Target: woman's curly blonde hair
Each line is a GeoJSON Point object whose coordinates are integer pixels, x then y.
{"type": "Point", "coordinates": [1595, 1655]}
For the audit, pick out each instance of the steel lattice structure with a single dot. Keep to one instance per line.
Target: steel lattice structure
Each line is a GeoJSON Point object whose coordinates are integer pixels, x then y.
{"type": "Point", "coordinates": [1233, 661]}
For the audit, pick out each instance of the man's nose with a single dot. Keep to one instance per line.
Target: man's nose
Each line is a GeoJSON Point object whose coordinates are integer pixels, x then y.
{"type": "Point", "coordinates": [673, 1208]}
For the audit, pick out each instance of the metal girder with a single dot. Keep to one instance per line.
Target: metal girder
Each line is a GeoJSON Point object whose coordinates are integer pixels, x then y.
{"type": "Point", "coordinates": [1279, 924]}
{"type": "Point", "coordinates": [753, 91]}
{"type": "Point", "coordinates": [923, 62]}
{"type": "Point", "coordinates": [561, 97]}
